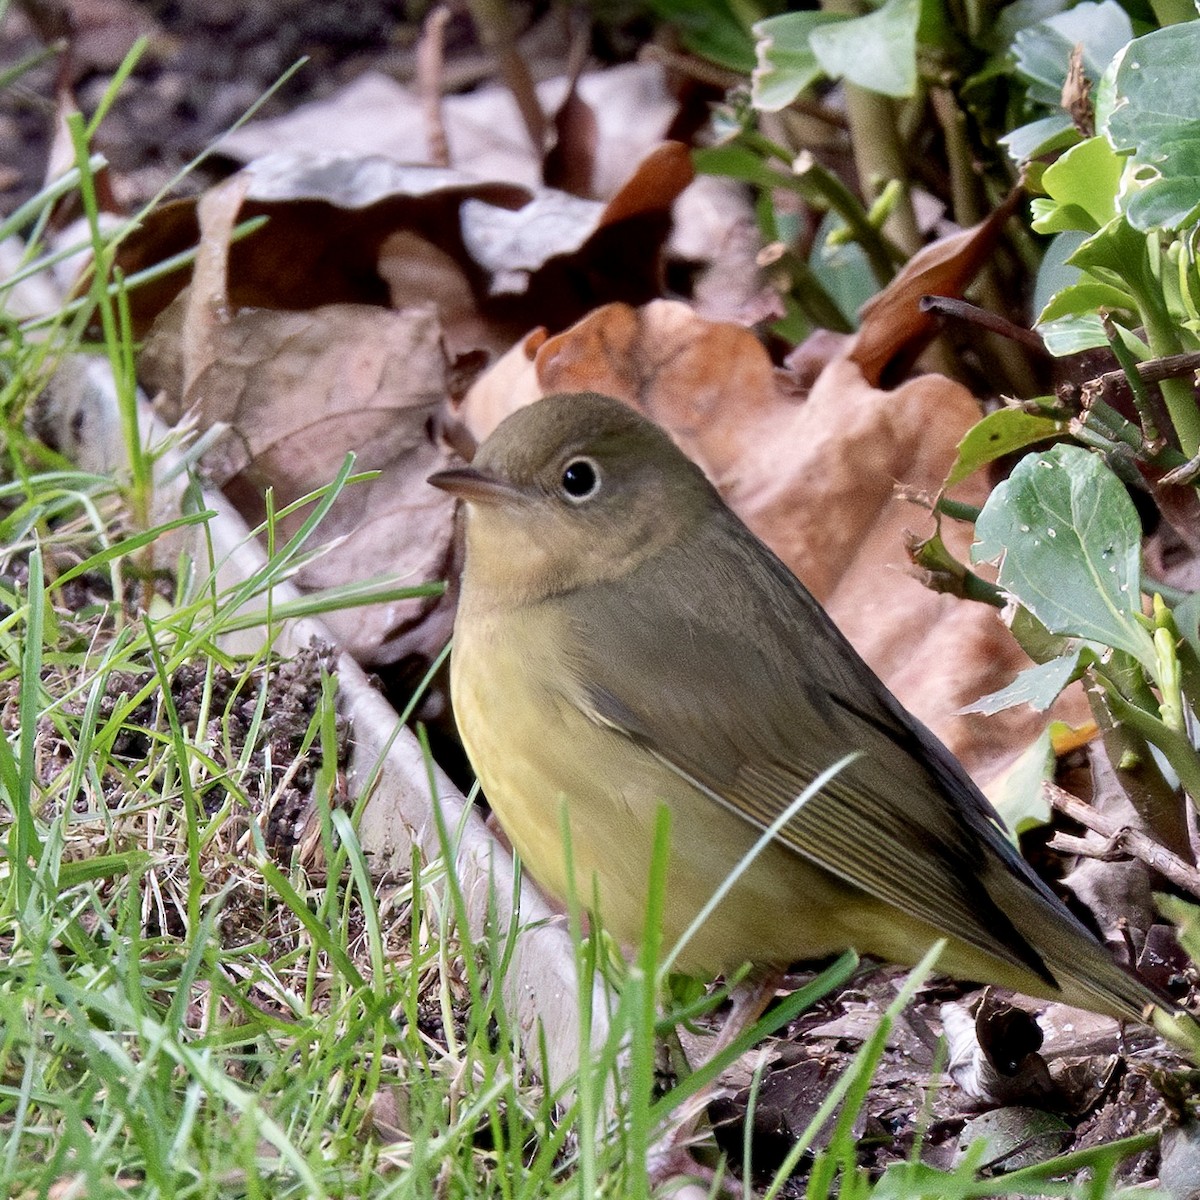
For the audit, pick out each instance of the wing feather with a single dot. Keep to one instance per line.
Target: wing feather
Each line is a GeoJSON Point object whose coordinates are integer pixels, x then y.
{"type": "Point", "coordinates": [904, 822]}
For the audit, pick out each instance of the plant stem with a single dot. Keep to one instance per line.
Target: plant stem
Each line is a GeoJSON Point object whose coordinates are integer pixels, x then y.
{"type": "Point", "coordinates": [1164, 341]}
{"type": "Point", "coordinates": [821, 187]}
{"type": "Point", "coordinates": [878, 152]}
{"type": "Point", "coordinates": [1128, 728]}
{"type": "Point", "coordinates": [806, 289]}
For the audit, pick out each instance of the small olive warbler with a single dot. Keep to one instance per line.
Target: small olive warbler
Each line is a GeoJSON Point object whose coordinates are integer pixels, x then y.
{"type": "Point", "coordinates": [623, 641]}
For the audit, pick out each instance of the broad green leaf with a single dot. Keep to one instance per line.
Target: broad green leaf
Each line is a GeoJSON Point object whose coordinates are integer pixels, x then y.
{"type": "Point", "coordinates": [1117, 255]}
{"type": "Point", "coordinates": [1035, 639]}
{"type": "Point", "coordinates": [1054, 274]}
{"type": "Point", "coordinates": [1186, 919]}
{"type": "Point", "coordinates": [1156, 118]}
{"type": "Point", "coordinates": [1017, 794]}
{"type": "Point", "coordinates": [710, 28]}
{"type": "Point", "coordinates": [1037, 686]}
{"type": "Point", "coordinates": [842, 269]}
{"type": "Point", "coordinates": [1086, 177]}
{"type": "Point", "coordinates": [1187, 620]}
{"type": "Point", "coordinates": [1166, 198]}
{"type": "Point", "coordinates": [1070, 335]}
{"type": "Point", "coordinates": [1051, 217]}
{"type": "Point", "coordinates": [1079, 299]}
{"type": "Point", "coordinates": [1040, 137]}
{"type": "Point", "coordinates": [1173, 12]}
{"type": "Point", "coordinates": [1068, 541]}
{"type": "Point", "coordinates": [786, 62]}
{"type": "Point", "coordinates": [735, 162]}
{"type": "Point", "coordinates": [1042, 52]}
{"type": "Point", "coordinates": [1021, 14]}
{"type": "Point", "coordinates": [999, 433]}
{"type": "Point", "coordinates": [878, 52]}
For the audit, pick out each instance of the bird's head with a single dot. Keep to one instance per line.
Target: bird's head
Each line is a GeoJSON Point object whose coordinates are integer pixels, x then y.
{"type": "Point", "coordinates": [569, 491]}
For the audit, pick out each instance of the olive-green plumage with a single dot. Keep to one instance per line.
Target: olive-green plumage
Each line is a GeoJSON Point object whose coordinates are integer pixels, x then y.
{"type": "Point", "coordinates": [624, 641]}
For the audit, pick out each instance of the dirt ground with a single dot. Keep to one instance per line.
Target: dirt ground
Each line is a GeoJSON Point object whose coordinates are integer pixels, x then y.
{"type": "Point", "coordinates": [207, 62]}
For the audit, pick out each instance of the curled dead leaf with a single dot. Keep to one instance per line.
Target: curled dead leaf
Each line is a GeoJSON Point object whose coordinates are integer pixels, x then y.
{"type": "Point", "coordinates": [893, 330]}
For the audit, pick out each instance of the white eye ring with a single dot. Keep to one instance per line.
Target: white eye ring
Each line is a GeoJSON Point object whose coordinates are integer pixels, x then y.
{"type": "Point", "coordinates": [580, 479]}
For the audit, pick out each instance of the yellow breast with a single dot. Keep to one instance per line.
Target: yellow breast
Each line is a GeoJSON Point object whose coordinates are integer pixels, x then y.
{"type": "Point", "coordinates": [541, 759]}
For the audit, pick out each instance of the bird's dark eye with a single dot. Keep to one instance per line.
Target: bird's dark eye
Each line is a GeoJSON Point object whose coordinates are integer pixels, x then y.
{"type": "Point", "coordinates": [580, 478]}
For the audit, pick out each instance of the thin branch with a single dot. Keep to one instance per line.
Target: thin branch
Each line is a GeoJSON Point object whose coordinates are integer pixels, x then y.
{"type": "Point", "coordinates": [494, 24]}
{"type": "Point", "coordinates": [964, 310]}
{"type": "Point", "coordinates": [1170, 366]}
{"type": "Point", "coordinates": [431, 81]}
{"type": "Point", "coordinates": [1120, 841]}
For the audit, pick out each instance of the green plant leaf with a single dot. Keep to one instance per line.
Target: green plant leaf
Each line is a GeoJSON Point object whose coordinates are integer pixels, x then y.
{"type": "Point", "coordinates": [1053, 273]}
{"type": "Point", "coordinates": [1085, 179]}
{"type": "Point", "coordinates": [1117, 256]}
{"type": "Point", "coordinates": [1012, 18]}
{"type": "Point", "coordinates": [1165, 195]}
{"type": "Point", "coordinates": [1042, 52]}
{"type": "Point", "coordinates": [1036, 686]}
{"type": "Point", "coordinates": [1156, 119]}
{"type": "Point", "coordinates": [1187, 620]}
{"type": "Point", "coordinates": [1186, 919]}
{"type": "Point", "coordinates": [843, 269]}
{"type": "Point", "coordinates": [710, 28]}
{"type": "Point", "coordinates": [1018, 795]}
{"type": "Point", "coordinates": [1069, 335]}
{"type": "Point", "coordinates": [999, 433]}
{"type": "Point", "coordinates": [1088, 296]}
{"type": "Point", "coordinates": [786, 62]}
{"type": "Point", "coordinates": [1068, 541]}
{"type": "Point", "coordinates": [1039, 137]}
{"type": "Point", "coordinates": [878, 52]}
{"type": "Point", "coordinates": [735, 162]}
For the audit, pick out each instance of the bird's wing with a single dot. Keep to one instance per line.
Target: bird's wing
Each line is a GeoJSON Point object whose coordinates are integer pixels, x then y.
{"type": "Point", "coordinates": [749, 691]}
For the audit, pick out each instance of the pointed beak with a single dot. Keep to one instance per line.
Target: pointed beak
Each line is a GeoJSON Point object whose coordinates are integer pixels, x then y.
{"type": "Point", "coordinates": [469, 484]}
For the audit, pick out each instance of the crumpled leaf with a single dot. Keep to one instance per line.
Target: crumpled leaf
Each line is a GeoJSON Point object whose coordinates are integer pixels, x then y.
{"type": "Point", "coordinates": [494, 257]}
{"type": "Point", "coordinates": [993, 1054]}
{"type": "Point", "coordinates": [1017, 1136]}
{"type": "Point", "coordinates": [1117, 894]}
{"type": "Point", "coordinates": [298, 390]}
{"type": "Point", "coordinates": [328, 218]}
{"type": "Point", "coordinates": [814, 479]}
{"type": "Point", "coordinates": [486, 137]}
{"type": "Point", "coordinates": [1179, 1174]}
{"type": "Point", "coordinates": [893, 329]}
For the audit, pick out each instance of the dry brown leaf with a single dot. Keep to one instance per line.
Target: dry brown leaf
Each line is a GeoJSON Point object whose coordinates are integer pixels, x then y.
{"type": "Point", "coordinates": [815, 480]}
{"type": "Point", "coordinates": [632, 103]}
{"type": "Point", "coordinates": [298, 391]}
{"type": "Point", "coordinates": [1117, 894]}
{"type": "Point", "coordinates": [570, 164]}
{"type": "Point", "coordinates": [495, 258]}
{"type": "Point", "coordinates": [328, 219]}
{"type": "Point", "coordinates": [893, 329]}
